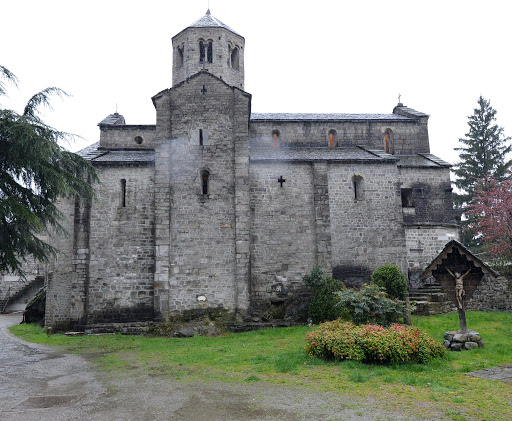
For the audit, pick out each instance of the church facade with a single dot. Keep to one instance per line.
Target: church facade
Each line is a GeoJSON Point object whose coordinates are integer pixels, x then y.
{"type": "Point", "coordinates": [215, 206]}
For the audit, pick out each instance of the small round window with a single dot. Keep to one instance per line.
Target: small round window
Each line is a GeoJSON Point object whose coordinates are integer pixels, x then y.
{"type": "Point", "coordinates": [138, 140]}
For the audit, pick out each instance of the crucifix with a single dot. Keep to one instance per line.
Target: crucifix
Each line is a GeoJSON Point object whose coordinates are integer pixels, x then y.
{"type": "Point", "coordinates": [459, 295]}
{"type": "Point", "coordinates": [281, 180]}
{"type": "Point", "coordinates": [204, 90]}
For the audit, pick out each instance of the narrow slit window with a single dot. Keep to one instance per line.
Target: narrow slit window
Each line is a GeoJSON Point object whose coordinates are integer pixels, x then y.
{"type": "Point", "coordinates": [357, 187]}
{"type": "Point", "coordinates": [123, 193]}
{"type": "Point", "coordinates": [205, 179]}
{"type": "Point", "coordinates": [201, 140]}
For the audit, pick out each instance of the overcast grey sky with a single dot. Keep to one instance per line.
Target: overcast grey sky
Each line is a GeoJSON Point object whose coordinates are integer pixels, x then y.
{"type": "Point", "coordinates": [300, 56]}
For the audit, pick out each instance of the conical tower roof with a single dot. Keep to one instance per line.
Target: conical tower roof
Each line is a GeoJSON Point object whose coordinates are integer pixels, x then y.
{"type": "Point", "coordinates": [209, 21]}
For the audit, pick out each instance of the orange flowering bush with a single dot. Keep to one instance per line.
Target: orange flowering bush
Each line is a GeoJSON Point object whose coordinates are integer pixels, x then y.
{"type": "Point", "coordinates": [372, 344]}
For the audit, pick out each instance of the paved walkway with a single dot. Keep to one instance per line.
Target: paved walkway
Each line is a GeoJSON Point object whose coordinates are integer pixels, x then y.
{"type": "Point", "coordinates": [502, 373]}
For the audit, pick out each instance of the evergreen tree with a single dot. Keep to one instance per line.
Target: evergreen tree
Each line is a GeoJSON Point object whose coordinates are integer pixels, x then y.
{"type": "Point", "coordinates": [34, 171]}
{"type": "Point", "coordinates": [483, 154]}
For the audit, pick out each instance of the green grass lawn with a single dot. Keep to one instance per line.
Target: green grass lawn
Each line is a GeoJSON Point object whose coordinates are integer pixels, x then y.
{"type": "Point", "coordinates": [277, 356]}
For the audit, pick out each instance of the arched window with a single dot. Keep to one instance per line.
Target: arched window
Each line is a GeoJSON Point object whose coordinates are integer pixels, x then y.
{"type": "Point", "coordinates": [201, 51]}
{"type": "Point", "coordinates": [235, 58]}
{"type": "Point", "coordinates": [387, 140]}
{"type": "Point", "coordinates": [275, 137]}
{"type": "Point", "coordinates": [332, 138]}
{"type": "Point", "coordinates": [205, 179]}
{"type": "Point", "coordinates": [357, 186]}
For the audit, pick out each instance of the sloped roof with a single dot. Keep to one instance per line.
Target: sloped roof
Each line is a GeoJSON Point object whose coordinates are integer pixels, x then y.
{"type": "Point", "coordinates": [421, 160]}
{"type": "Point", "coordinates": [347, 154]}
{"type": "Point", "coordinates": [463, 250]}
{"type": "Point", "coordinates": [324, 117]}
{"type": "Point", "coordinates": [96, 155]}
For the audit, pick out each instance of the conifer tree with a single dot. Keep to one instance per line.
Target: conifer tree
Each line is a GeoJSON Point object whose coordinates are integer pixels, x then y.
{"type": "Point", "coordinates": [483, 154]}
{"type": "Point", "coordinates": [34, 171]}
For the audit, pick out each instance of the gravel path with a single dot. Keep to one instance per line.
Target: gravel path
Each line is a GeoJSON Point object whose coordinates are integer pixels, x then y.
{"type": "Point", "coordinates": [39, 383]}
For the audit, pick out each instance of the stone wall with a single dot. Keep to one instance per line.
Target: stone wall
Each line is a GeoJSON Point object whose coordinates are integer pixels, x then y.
{"type": "Point", "coordinates": [366, 231]}
{"type": "Point", "coordinates": [283, 240]}
{"type": "Point", "coordinates": [128, 136]}
{"type": "Point", "coordinates": [431, 194]}
{"type": "Point", "coordinates": [407, 136]}
{"type": "Point", "coordinates": [121, 244]}
{"type": "Point", "coordinates": [424, 243]}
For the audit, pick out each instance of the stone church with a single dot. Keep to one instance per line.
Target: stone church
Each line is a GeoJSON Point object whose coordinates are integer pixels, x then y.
{"type": "Point", "coordinates": [216, 206]}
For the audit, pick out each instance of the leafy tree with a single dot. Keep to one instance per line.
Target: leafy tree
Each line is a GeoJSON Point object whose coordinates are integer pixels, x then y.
{"type": "Point", "coordinates": [34, 171]}
{"type": "Point", "coordinates": [491, 214]}
{"type": "Point", "coordinates": [483, 154]}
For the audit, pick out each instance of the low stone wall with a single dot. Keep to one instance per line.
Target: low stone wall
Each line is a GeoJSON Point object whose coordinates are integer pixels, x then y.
{"type": "Point", "coordinates": [492, 295]}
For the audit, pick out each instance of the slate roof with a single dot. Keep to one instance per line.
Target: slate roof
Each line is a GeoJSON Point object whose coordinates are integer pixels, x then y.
{"type": "Point", "coordinates": [348, 154]}
{"type": "Point", "coordinates": [324, 117]}
{"type": "Point", "coordinates": [421, 160]}
{"type": "Point", "coordinates": [96, 155]}
{"type": "Point", "coordinates": [209, 21]}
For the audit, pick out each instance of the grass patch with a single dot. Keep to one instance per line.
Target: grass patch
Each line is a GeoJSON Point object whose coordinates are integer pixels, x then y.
{"type": "Point", "coordinates": [278, 356]}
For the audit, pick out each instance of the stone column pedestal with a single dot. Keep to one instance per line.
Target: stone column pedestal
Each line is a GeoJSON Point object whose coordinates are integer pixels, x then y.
{"type": "Point", "coordinates": [455, 340]}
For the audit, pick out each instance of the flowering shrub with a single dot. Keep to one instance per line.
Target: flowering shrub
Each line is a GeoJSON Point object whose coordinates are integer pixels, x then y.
{"type": "Point", "coordinates": [375, 344]}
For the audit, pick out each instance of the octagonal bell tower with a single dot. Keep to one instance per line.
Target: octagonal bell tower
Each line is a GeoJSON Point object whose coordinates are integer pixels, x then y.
{"type": "Point", "coordinates": [211, 45]}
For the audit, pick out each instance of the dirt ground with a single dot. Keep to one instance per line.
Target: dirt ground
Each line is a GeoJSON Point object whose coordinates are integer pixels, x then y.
{"type": "Point", "coordinates": [39, 383]}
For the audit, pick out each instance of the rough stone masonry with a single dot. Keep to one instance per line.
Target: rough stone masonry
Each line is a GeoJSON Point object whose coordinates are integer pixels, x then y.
{"type": "Point", "coordinates": [191, 214]}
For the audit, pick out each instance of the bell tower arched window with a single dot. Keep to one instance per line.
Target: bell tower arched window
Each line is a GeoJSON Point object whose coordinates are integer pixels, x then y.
{"type": "Point", "coordinates": [205, 51]}
{"type": "Point", "coordinates": [235, 58]}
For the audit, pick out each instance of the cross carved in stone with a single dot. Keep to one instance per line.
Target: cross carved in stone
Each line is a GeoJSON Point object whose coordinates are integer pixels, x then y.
{"type": "Point", "coordinates": [281, 180]}
{"type": "Point", "coordinates": [204, 90]}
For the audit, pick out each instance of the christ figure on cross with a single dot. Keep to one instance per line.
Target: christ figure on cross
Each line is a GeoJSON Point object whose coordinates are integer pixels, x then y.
{"type": "Point", "coordinates": [459, 285]}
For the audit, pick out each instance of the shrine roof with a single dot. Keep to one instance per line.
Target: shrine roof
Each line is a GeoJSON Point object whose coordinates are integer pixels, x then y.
{"type": "Point", "coordinates": [463, 250]}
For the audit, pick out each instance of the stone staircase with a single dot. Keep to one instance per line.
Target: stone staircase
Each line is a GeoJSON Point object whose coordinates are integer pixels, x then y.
{"type": "Point", "coordinates": [429, 300]}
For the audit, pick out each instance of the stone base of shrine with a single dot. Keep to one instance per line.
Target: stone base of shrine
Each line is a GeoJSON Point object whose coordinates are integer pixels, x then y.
{"type": "Point", "coordinates": [455, 340]}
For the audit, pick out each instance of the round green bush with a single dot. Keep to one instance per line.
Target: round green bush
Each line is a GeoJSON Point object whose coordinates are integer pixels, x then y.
{"type": "Point", "coordinates": [393, 281]}
{"type": "Point", "coordinates": [372, 344]}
